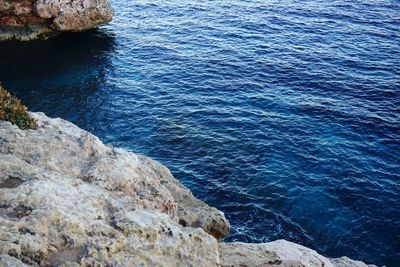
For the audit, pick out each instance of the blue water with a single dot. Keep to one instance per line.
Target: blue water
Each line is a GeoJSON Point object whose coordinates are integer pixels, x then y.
{"type": "Point", "coordinates": [283, 114]}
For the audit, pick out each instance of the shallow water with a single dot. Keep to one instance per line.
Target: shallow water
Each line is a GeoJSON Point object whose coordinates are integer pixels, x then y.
{"type": "Point", "coordinates": [283, 114]}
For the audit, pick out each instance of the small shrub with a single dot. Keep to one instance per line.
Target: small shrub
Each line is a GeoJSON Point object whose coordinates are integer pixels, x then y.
{"type": "Point", "coordinates": [13, 111]}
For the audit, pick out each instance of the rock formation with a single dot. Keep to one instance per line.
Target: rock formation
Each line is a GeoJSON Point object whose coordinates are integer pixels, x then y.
{"type": "Point", "coordinates": [32, 19]}
{"type": "Point", "coordinates": [280, 253]}
{"type": "Point", "coordinates": [66, 199]}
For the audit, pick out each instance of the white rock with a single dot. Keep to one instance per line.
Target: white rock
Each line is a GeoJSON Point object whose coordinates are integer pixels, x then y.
{"type": "Point", "coordinates": [346, 262]}
{"type": "Point", "coordinates": [280, 253]}
{"type": "Point", "coordinates": [6, 260]}
{"type": "Point", "coordinates": [276, 253]}
{"type": "Point", "coordinates": [69, 199]}
{"type": "Point", "coordinates": [57, 219]}
{"type": "Point", "coordinates": [60, 146]}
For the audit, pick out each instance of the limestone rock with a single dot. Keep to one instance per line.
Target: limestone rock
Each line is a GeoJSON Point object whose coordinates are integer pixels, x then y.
{"type": "Point", "coordinates": [346, 262]}
{"type": "Point", "coordinates": [32, 19]}
{"type": "Point", "coordinates": [190, 211]}
{"type": "Point", "coordinates": [69, 199]}
{"type": "Point", "coordinates": [279, 253]}
{"type": "Point", "coordinates": [6, 260]}
{"type": "Point", "coordinates": [60, 147]}
{"type": "Point", "coordinates": [243, 254]}
{"type": "Point", "coordinates": [51, 220]}
{"type": "Point", "coordinates": [73, 15]}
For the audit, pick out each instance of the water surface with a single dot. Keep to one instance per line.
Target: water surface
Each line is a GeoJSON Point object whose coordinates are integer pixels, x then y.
{"type": "Point", "coordinates": [283, 114]}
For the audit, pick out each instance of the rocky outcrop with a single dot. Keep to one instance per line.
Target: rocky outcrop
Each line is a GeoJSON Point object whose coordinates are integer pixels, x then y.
{"type": "Point", "coordinates": [61, 148]}
{"type": "Point", "coordinates": [190, 211]}
{"type": "Point", "coordinates": [66, 199]}
{"type": "Point", "coordinates": [278, 253]}
{"type": "Point", "coordinates": [32, 19]}
{"type": "Point", "coordinates": [346, 262]}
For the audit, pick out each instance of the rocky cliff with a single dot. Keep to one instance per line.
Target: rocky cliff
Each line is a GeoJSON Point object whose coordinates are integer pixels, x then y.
{"type": "Point", "coordinates": [69, 200]}
{"type": "Point", "coordinates": [32, 19]}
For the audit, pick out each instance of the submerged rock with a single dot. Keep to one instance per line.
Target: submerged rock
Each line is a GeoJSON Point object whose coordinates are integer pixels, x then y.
{"type": "Point", "coordinates": [69, 200]}
{"type": "Point", "coordinates": [32, 19]}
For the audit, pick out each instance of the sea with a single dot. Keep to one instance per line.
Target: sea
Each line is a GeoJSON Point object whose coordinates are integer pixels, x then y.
{"type": "Point", "coordinates": [283, 114]}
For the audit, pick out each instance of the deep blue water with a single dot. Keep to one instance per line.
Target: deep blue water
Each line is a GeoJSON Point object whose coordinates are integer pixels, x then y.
{"type": "Point", "coordinates": [283, 114]}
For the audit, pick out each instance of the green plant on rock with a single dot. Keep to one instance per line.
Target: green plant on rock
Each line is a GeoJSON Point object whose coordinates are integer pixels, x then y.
{"type": "Point", "coordinates": [13, 111]}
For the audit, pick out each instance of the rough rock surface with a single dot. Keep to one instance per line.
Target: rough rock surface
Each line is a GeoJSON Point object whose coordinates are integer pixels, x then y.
{"type": "Point", "coordinates": [62, 148]}
{"type": "Point", "coordinates": [65, 196]}
{"type": "Point", "coordinates": [346, 262]}
{"type": "Point", "coordinates": [280, 253]}
{"type": "Point", "coordinates": [6, 260]}
{"type": "Point", "coordinates": [66, 199]}
{"type": "Point", "coordinates": [32, 19]}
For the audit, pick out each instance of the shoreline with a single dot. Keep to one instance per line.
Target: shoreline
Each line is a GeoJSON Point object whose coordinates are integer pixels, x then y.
{"type": "Point", "coordinates": [70, 199]}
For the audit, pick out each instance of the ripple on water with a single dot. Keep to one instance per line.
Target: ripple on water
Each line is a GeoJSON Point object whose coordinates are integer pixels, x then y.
{"type": "Point", "coordinates": [285, 115]}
